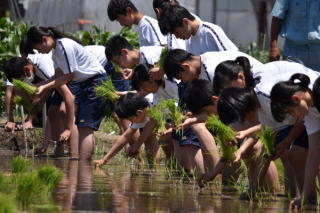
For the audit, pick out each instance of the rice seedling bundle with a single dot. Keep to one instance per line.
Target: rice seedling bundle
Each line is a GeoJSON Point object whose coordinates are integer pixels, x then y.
{"type": "Point", "coordinates": [107, 90]}
{"type": "Point", "coordinates": [157, 114]}
{"type": "Point", "coordinates": [7, 204]}
{"type": "Point", "coordinates": [267, 138]}
{"type": "Point", "coordinates": [175, 112]}
{"type": "Point", "coordinates": [222, 133]}
{"type": "Point", "coordinates": [116, 67]}
{"type": "Point", "coordinates": [163, 54]}
{"type": "Point", "coordinates": [20, 101]}
{"type": "Point", "coordinates": [50, 175]}
{"type": "Point", "coordinates": [19, 165]}
{"type": "Point", "coordinates": [28, 88]}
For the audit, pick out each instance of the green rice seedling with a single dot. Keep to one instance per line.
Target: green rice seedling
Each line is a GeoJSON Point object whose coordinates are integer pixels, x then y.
{"type": "Point", "coordinates": [19, 164]}
{"type": "Point", "coordinates": [222, 133]}
{"type": "Point", "coordinates": [116, 68]}
{"type": "Point", "coordinates": [175, 112]}
{"type": "Point", "coordinates": [28, 88]}
{"type": "Point", "coordinates": [157, 114]}
{"type": "Point", "coordinates": [267, 138]}
{"type": "Point", "coordinates": [46, 208]}
{"type": "Point", "coordinates": [50, 175]}
{"type": "Point", "coordinates": [107, 90]}
{"type": "Point", "coordinates": [20, 101]}
{"type": "Point", "coordinates": [163, 54]}
{"type": "Point", "coordinates": [7, 204]}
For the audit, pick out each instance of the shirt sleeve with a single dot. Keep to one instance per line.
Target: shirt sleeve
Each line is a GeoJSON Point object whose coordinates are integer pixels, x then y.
{"type": "Point", "coordinates": [280, 8]}
{"type": "Point", "coordinates": [149, 36]}
{"type": "Point", "coordinates": [68, 62]}
{"type": "Point", "coordinates": [312, 124]}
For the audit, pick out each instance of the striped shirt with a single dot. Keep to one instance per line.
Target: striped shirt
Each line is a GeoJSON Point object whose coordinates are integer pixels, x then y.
{"type": "Point", "coordinates": [149, 32]}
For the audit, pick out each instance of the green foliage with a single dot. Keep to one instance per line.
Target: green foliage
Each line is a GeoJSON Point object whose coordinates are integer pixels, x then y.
{"type": "Point", "coordinates": [130, 35]}
{"type": "Point", "coordinates": [222, 134]}
{"type": "Point", "coordinates": [20, 101]}
{"type": "Point", "coordinates": [7, 204]}
{"type": "Point", "coordinates": [107, 90]}
{"type": "Point", "coordinates": [50, 175]}
{"type": "Point", "coordinates": [163, 54]}
{"type": "Point", "coordinates": [46, 208]}
{"type": "Point", "coordinates": [28, 88]}
{"type": "Point", "coordinates": [19, 164]}
{"type": "Point", "coordinates": [157, 114]}
{"type": "Point", "coordinates": [175, 112]}
{"type": "Point", "coordinates": [258, 51]}
{"type": "Point", "coordinates": [267, 138]}
{"type": "Point", "coordinates": [96, 36]}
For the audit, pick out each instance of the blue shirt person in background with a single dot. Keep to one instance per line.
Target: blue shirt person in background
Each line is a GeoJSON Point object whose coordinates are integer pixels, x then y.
{"type": "Point", "coordinates": [298, 21]}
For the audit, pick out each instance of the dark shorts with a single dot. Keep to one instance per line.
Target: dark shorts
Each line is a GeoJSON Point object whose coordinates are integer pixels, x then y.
{"type": "Point", "coordinates": [187, 137]}
{"type": "Point", "coordinates": [56, 99]}
{"type": "Point", "coordinates": [301, 140]}
{"type": "Point", "coordinates": [117, 79]}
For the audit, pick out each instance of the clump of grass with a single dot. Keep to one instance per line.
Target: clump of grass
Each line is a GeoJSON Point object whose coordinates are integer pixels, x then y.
{"type": "Point", "coordinates": [222, 133]}
{"type": "Point", "coordinates": [19, 164]}
{"type": "Point", "coordinates": [116, 67]}
{"type": "Point", "coordinates": [107, 90]}
{"type": "Point", "coordinates": [157, 114]}
{"type": "Point", "coordinates": [29, 89]}
{"type": "Point", "coordinates": [7, 204]}
{"type": "Point", "coordinates": [175, 112]}
{"type": "Point", "coordinates": [20, 101]}
{"type": "Point", "coordinates": [163, 54]}
{"type": "Point", "coordinates": [47, 208]}
{"type": "Point", "coordinates": [50, 175]}
{"type": "Point", "coordinates": [267, 138]}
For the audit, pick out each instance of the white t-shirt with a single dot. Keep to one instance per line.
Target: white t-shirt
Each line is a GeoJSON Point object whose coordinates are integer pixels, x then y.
{"type": "Point", "coordinates": [139, 125]}
{"type": "Point", "coordinates": [8, 83]}
{"type": "Point", "coordinates": [210, 60]}
{"type": "Point", "coordinates": [271, 74]}
{"type": "Point", "coordinates": [70, 56]}
{"type": "Point", "coordinates": [150, 54]}
{"type": "Point", "coordinates": [169, 91]}
{"type": "Point", "coordinates": [43, 64]}
{"type": "Point", "coordinates": [209, 37]}
{"type": "Point", "coordinates": [98, 52]}
{"type": "Point", "coordinates": [175, 43]}
{"type": "Point", "coordinates": [149, 32]}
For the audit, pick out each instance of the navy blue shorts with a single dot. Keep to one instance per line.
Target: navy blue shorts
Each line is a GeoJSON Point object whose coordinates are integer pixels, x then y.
{"type": "Point", "coordinates": [187, 137]}
{"type": "Point", "coordinates": [91, 109]}
{"type": "Point", "coordinates": [117, 79]}
{"type": "Point", "coordinates": [301, 140]}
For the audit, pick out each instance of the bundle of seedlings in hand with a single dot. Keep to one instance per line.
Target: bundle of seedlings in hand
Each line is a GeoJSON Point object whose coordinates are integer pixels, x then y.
{"type": "Point", "coordinates": [175, 112]}
{"type": "Point", "coordinates": [163, 54]}
{"type": "Point", "coordinates": [157, 114]}
{"type": "Point", "coordinates": [50, 175]}
{"type": "Point", "coordinates": [20, 101]}
{"type": "Point", "coordinates": [222, 134]}
{"type": "Point", "coordinates": [107, 90]}
{"type": "Point", "coordinates": [267, 138]}
{"type": "Point", "coordinates": [28, 88]}
{"type": "Point", "coordinates": [116, 67]}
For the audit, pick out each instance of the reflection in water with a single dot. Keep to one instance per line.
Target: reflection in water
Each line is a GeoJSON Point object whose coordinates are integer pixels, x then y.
{"type": "Point", "coordinates": [117, 188]}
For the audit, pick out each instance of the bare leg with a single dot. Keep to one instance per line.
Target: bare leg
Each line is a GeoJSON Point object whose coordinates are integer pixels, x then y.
{"type": "Point", "coordinates": [152, 149]}
{"type": "Point", "coordinates": [86, 142]}
{"type": "Point", "coordinates": [289, 175]}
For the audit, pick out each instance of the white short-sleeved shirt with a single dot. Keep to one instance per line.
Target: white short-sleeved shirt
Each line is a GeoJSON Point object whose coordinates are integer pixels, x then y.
{"type": "Point", "coordinates": [210, 60]}
{"type": "Point", "coordinates": [175, 43]}
{"type": "Point", "coordinates": [70, 56]}
{"type": "Point", "coordinates": [134, 125]}
{"type": "Point", "coordinates": [271, 74]}
{"type": "Point", "coordinates": [8, 83]}
{"type": "Point", "coordinates": [168, 91]}
{"type": "Point", "coordinates": [98, 52]}
{"type": "Point", "coordinates": [43, 64]}
{"type": "Point", "coordinates": [209, 37]}
{"type": "Point", "coordinates": [149, 32]}
{"type": "Point", "coordinates": [150, 54]}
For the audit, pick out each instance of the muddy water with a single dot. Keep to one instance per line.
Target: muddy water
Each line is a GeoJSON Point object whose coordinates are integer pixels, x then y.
{"type": "Point", "coordinates": [125, 188]}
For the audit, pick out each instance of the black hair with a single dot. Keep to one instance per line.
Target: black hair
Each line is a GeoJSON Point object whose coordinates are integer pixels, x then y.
{"type": "Point", "coordinates": [228, 71]}
{"type": "Point", "coordinates": [129, 104]}
{"type": "Point", "coordinates": [198, 95]}
{"type": "Point", "coordinates": [35, 34]}
{"type": "Point", "coordinates": [163, 3]}
{"type": "Point", "coordinates": [316, 94]}
{"type": "Point", "coordinates": [235, 103]}
{"type": "Point", "coordinates": [282, 92]}
{"type": "Point", "coordinates": [24, 48]}
{"type": "Point", "coordinates": [172, 17]}
{"type": "Point", "coordinates": [119, 7]}
{"type": "Point", "coordinates": [173, 60]}
{"type": "Point", "coordinates": [140, 75]}
{"type": "Point", "coordinates": [14, 68]}
{"type": "Point", "coordinates": [114, 46]}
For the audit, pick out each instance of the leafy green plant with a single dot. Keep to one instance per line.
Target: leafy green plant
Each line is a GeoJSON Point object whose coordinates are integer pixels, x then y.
{"type": "Point", "coordinates": [130, 35]}
{"type": "Point", "coordinates": [7, 204]}
{"type": "Point", "coordinates": [222, 134]}
{"type": "Point", "coordinates": [50, 175]}
{"type": "Point", "coordinates": [267, 138]}
{"type": "Point", "coordinates": [163, 54]}
{"type": "Point", "coordinates": [28, 88]}
{"type": "Point", "coordinates": [20, 101]}
{"type": "Point", "coordinates": [107, 90]}
{"type": "Point", "coordinates": [175, 112]}
{"type": "Point", "coordinates": [19, 164]}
